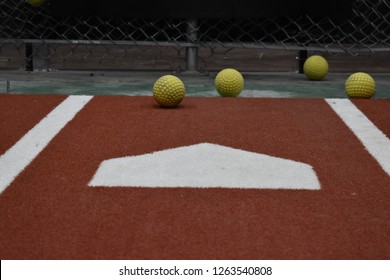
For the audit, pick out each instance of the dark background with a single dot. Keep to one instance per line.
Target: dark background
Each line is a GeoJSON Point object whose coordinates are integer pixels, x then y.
{"type": "Point", "coordinates": [201, 8]}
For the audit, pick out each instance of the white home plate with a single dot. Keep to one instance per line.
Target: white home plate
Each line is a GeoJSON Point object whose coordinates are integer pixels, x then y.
{"type": "Point", "coordinates": [205, 166]}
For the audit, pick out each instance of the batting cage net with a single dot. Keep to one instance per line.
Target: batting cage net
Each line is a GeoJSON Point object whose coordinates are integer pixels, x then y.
{"type": "Point", "coordinates": [32, 37]}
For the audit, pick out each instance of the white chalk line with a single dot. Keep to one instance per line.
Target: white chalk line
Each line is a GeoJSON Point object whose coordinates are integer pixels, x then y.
{"type": "Point", "coordinates": [373, 139]}
{"type": "Point", "coordinates": [20, 155]}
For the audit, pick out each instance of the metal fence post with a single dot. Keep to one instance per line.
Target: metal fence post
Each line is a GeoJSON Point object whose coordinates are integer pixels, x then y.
{"type": "Point", "coordinates": [192, 52]}
{"type": "Point", "coordinates": [8, 87]}
{"type": "Point", "coordinates": [37, 56]}
{"type": "Point", "coordinates": [302, 56]}
{"type": "Point", "coordinates": [29, 57]}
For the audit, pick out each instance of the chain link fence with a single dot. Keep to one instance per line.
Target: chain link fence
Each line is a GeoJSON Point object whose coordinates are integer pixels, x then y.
{"type": "Point", "coordinates": [30, 38]}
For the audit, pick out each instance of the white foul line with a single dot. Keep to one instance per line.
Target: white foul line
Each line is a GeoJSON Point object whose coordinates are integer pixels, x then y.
{"type": "Point", "coordinates": [375, 141]}
{"type": "Point", "coordinates": [19, 156]}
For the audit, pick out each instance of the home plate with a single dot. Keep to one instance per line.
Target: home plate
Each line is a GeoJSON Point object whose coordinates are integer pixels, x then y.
{"type": "Point", "coordinates": [205, 165]}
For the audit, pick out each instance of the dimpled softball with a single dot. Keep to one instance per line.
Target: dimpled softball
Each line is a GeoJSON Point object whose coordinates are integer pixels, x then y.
{"type": "Point", "coordinates": [229, 83]}
{"type": "Point", "coordinates": [168, 91]}
{"type": "Point", "coordinates": [360, 85]}
{"type": "Point", "coordinates": [316, 68]}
